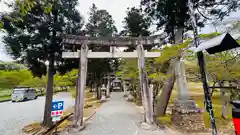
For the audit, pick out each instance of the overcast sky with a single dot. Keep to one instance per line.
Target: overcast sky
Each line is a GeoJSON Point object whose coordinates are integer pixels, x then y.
{"type": "Point", "coordinates": [117, 8]}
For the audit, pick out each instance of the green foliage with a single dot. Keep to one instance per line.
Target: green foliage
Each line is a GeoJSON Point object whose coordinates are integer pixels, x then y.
{"type": "Point", "coordinates": [24, 7]}
{"type": "Point", "coordinates": [173, 14]}
{"type": "Point", "coordinates": [10, 79]}
{"type": "Point", "coordinates": [100, 24]}
{"type": "Point", "coordinates": [23, 77]}
{"type": "Point", "coordinates": [238, 41]}
{"type": "Point", "coordinates": [232, 26]}
{"type": "Point", "coordinates": [136, 24]}
{"type": "Point", "coordinates": [173, 51]}
{"type": "Point", "coordinates": [156, 68]}
{"type": "Point", "coordinates": [225, 66]}
{"type": "Point", "coordinates": [35, 82]}
{"type": "Point", "coordinates": [68, 79]}
{"type": "Point", "coordinates": [128, 69]}
{"type": "Point", "coordinates": [10, 66]}
{"type": "Point", "coordinates": [209, 36]}
{"type": "Point", "coordinates": [33, 35]}
{"type": "Point", "coordinates": [1, 25]}
{"type": "Point", "coordinates": [220, 66]}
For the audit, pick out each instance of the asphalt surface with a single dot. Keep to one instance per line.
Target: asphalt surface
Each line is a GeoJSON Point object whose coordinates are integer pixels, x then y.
{"type": "Point", "coordinates": [14, 116]}
{"type": "Point", "coordinates": [116, 117]}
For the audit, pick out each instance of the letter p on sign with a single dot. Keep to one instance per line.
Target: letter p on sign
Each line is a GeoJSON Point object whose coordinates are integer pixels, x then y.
{"type": "Point", "coordinates": [60, 105]}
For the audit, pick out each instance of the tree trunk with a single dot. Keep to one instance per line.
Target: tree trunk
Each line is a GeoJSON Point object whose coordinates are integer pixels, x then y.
{"type": "Point", "coordinates": [98, 91]}
{"type": "Point", "coordinates": [47, 120]}
{"type": "Point", "coordinates": [225, 101]}
{"type": "Point", "coordinates": [162, 103]}
{"type": "Point", "coordinates": [166, 92]}
{"type": "Point", "coordinates": [91, 87]}
{"type": "Point", "coordinates": [151, 102]}
{"type": "Point", "coordinates": [224, 105]}
{"type": "Point", "coordinates": [155, 93]}
{"type": "Point", "coordinates": [108, 86]}
{"type": "Point", "coordinates": [213, 89]}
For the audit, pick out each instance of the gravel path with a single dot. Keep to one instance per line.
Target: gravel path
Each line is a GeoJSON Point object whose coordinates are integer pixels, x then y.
{"type": "Point", "coordinates": [14, 116]}
{"type": "Point", "coordinates": [116, 117]}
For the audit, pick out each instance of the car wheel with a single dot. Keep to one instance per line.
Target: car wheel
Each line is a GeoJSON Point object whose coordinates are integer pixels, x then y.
{"type": "Point", "coordinates": [13, 101]}
{"type": "Point", "coordinates": [25, 99]}
{"type": "Point", "coordinates": [36, 97]}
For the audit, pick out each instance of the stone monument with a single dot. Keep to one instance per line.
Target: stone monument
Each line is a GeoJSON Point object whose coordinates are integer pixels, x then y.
{"type": "Point", "coordinates": [185, 113]}
{"type": "Point", "coordinates": [104, 92]}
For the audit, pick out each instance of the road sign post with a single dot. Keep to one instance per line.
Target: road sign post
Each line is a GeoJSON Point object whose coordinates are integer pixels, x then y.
{"type": "Point", "coordinates": [57, 110]}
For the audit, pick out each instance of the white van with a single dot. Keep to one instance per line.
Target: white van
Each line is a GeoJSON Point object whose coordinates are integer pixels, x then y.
{"type": "Point", "coordinates": [23, 94]}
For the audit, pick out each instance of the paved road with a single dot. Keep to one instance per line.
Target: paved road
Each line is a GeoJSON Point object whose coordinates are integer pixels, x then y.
{"type": "Point", "coordinates": [13, 116]}
{"type": "Point", "coordinates": [116, 117]}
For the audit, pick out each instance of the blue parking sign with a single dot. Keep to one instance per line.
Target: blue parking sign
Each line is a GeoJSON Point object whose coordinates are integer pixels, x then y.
{"type": "Point", "coordinates": [57, 105]}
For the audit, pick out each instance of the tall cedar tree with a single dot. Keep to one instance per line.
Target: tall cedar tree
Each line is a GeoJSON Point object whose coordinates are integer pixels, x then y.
{"type": "Point", "coordinates": [36, 40]}
{"type": "Point", "coordinates": [173, 14]}
{"type": "Point", "coordinates": [100, 24]}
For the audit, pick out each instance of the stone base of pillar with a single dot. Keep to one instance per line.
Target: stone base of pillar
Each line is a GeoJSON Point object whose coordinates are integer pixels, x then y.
{"type": "Point", "coordinates": [75, 129]}
{"type": "Point", "coordinates": [187, 116]}
{"type": "Point", "coordinates": [151, 127]}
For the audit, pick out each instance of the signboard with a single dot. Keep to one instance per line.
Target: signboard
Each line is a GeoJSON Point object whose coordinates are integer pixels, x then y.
{"type": "Point", "coordinates": [57, 110]}
{"type": "Point", "coordinates": [56, 118]}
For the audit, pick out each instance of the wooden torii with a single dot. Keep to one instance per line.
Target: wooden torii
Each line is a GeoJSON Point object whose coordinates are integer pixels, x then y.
{"type": "Point", "coordinates": [85, 53]}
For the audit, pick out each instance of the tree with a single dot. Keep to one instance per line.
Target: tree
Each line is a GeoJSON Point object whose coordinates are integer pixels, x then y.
{"type": "Point", "coordinates": [156, 70]}
{"type": "Point", "coordinates": [72, 77]}
{"type": "Point", "coordinates": [128, 70]}
{"type": "Point", "coordinates": [63, 81]}
{"type": "Point", "coordinates": [39, 35]}
{"type": "Point", "coordinates": [23, 6]}
{"type": "Point", "coordinates": [136, 23]}
{"type": "Point", "coordinates": [36, 82]}
{"type": "Point", "coordinates": [172, 15]}
{"type": "Point", "coordinates": [100, 24]}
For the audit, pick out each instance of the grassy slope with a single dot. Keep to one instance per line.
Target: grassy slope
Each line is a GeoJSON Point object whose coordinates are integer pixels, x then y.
{"type": "Point", "coordinates": [5, 94]}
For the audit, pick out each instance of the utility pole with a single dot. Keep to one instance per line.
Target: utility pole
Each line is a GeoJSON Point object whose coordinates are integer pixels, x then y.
{"type": "Point", "coordinates": [201, 63]}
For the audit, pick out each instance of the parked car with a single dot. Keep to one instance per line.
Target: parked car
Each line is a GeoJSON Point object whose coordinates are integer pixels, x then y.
{"type": "Point", "coordinates": [23, 94]}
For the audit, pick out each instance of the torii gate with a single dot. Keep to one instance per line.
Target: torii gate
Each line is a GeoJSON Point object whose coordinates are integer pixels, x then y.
{"type": "Point", "coordinates": [85, 53]}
